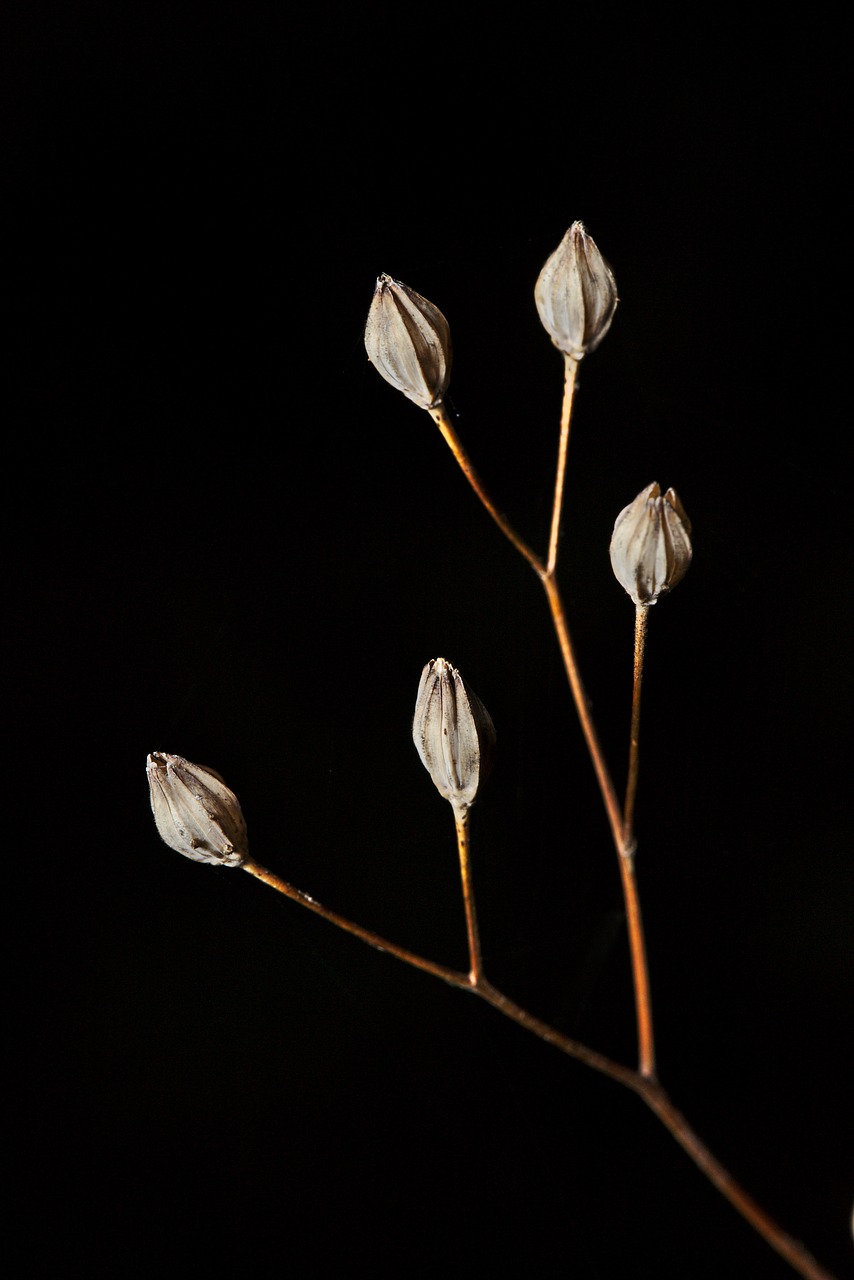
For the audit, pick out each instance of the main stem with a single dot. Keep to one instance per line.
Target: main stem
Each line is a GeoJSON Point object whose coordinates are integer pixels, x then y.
{"type": "Point", "coordinates": [625, 851]}
{"type": "Point", "coordinates": [439, 414]}
{"type": "Point", "coordinates": [546, 571]}
{"type": "Point", "coordinates": [648, 1089]}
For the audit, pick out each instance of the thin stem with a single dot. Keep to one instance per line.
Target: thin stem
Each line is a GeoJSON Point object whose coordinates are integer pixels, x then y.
{"type": "Point", "coordinates": [570, 371]}
{"type": "Point", "coordinates": [649, 1090]}
{"type": "Point", "coordinates": [453, 976]}
{"type": "Point", "coordinates": [475, 962]}
{"type": "Point", "coordinates": [659, 1103]}
{"type": "Point", "coordinates": [786, 1246]}
{"type": "Point", "coordinates": [642, 1081]}
{"type": "Point", "coordinates": [625, 852]}
{"type": "Point", "coordinates": [640, 973]}
{"type": "Point", "coordinates": [440, 416]}
{"type": "Point", "coordinates": [572, 1048]}
{"type": "Point", "coordinates": [646, 1043]}
{"type": "Point", "coordinates": [603, 776]}
{"type": "Point", "coordinates": [641, 615]}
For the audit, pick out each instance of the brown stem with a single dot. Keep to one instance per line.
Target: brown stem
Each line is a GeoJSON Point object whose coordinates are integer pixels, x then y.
{"type": "Point", "coordinates": [640, 975]}
{"type": "Point", "coordinates": [649, 1090]}
{"type": "Point", "coordinates": [641, 615]}
{"type": "Point", "coordinates": [792, 1250]}
{"type": "Point", "coordinates": [475, 961]}
{"type": "Point", "coordinates": [625, 855]}
{"type": "Point", "coordinates": [573, 675]}
{"type": "Point", "coordinates": [440, 416]}
{"type": "Point", "coordinates": [453, 976]}
{"type": "Point", "coordinates": [642, 1081]}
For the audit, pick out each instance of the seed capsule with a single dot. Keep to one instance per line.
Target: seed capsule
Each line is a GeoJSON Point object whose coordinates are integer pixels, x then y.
{"type": "Point", "coordinates": [576, 294]}
{"type": "Point", "coordinates": [409, 341]}
{"type": "Point", "coordinates": [651, 545]}
{"type": "Point", "coordinates": [453, 733]}
{"type": "Point", "coordinates": [195, 812]}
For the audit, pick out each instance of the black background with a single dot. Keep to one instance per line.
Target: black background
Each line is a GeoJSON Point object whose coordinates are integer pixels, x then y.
{"type": "Point", "coordinates": [229, 539]}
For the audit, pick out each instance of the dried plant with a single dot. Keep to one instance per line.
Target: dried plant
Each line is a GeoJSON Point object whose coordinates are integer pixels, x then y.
{"type": "Point", "coordinates": [408, 341]}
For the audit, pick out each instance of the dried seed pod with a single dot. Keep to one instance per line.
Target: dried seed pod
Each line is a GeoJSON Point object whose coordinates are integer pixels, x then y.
{"type": "Point", "coordinates": [453, 733]}
{"type": "Point", "coordinates": [195, 811]}
{"type": "Point", "coordinates": [409, 341]}
{"type": "Point", "coordinates": [576, 294]}
{"type": "Point", "coordinates": [651, 544]}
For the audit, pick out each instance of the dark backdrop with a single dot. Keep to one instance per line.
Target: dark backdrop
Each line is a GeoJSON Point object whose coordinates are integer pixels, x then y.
{"type": "Point", "coordinates": [229, 539]}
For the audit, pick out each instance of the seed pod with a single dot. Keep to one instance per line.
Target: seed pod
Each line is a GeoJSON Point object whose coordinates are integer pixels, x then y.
{"type": "Point", "coordinates": [651, 545]}
{"type": "Point", "coordinates": [576, 294]}
{"type": "Point", "coordinates": [195, 812]}
{"type": "Point", "coordinates": [409, 341]}
{"type": "Point", "coordinates": [453, 733]}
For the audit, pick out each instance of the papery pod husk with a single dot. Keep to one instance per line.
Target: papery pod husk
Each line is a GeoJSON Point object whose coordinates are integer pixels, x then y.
{"type": "Point", "coordinates": [195, 812]}
{"type": "Point", "coordinates": [651, 545]}
{"type": "Point", "coordinates": [576, 294]}
{"type": "Point", "coordinates": [453, 734]}
{"type": "Point", "coordinates": [408, 340]}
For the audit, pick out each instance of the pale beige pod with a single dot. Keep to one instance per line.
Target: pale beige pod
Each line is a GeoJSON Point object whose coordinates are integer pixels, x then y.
{"type": "Point", "coordinates": [576, 294]}
{"type": "Point", "coordinates": [195, 812]}
{"type": "Point", "coordinates": [651, 545]}
{"type": "Point", "coordinates": [409, 341]}
{"type": "Point", "coordinates": [453, 734]}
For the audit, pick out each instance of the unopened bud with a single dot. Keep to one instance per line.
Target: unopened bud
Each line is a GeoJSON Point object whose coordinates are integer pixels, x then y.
{"type": "Point", "coordinates": [576, 294]}
{"type": "Point", "coordinates": [651, 544]}
{"type": "Point", "coordinates": [195, 812]}
{"type": "Point", "coordinates": [453, 733]}
{"type": "Point", "coordinates": [409, 341]}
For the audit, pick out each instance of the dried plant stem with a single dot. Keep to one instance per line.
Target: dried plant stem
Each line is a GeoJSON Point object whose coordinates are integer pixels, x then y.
{"type": "Point", "coordinates": [625, 852]}
{"type": "Point", "coordinates": [453, 976]}
{"type": "Point", "coordinates": [570, 372]}
{"type": "Point", "coordinates": [648, 1089]}
{"type": "Point", "coordinates": [546, 572]}
{"type": "Point", "coordinates": [641, 615]}
{"type": "Point", "coordinates": [440, 416]}
{"type": "Point", "coordinates": [475, 962]}
{"type": "Point", "coordinates": [643, 1081]}
{"type": "Point", "coordinates": [785, 1245]}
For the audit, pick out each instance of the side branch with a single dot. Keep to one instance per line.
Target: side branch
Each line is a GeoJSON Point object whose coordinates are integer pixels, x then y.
{"type": "Point", "coordinates": [452, 976]}
{"type": "Point", "coordinates": [641, 617]}
{"type": "Point", "coordinates": [546, 574]}
{"type": "Point", "coordinates": [649, 1090]}
{"type": "Point", "coordinates": [440, 416]}
{"type": "Point", "coordinates": [625, 852]}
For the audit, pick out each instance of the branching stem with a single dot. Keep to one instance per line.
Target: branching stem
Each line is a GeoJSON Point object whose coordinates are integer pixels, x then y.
{"type": "Point", "coordinates": [649, 1090]}
{"type": "Point", "coordinates": [621, 822]}
{"type": "Point", "coordinates": [570, 372]}
{"type": "Point", "coordinates": [443, 422]}
{"type": "Point", "coordinates": [546, 571]}
{"type": "Point", "coordinates": [453, 976]}
{"type": "Point", "coordinates": [642, 1081]}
